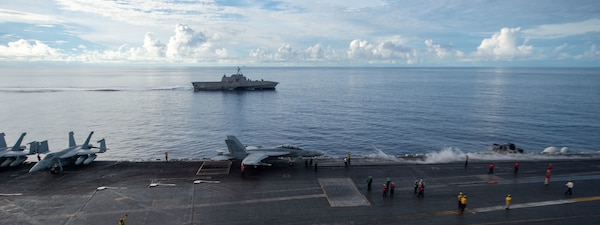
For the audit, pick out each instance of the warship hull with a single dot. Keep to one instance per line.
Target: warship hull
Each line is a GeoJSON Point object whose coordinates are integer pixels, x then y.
{"type": "Point", "coordinates": [235, 82]}
{"type": "Point", "coordinates": [220, 86]}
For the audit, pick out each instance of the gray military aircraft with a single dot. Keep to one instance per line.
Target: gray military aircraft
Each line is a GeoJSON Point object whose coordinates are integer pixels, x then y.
{"type": "Point", "coordinates": [75, 154]}
{"type": "Point", "coordinates": [15, 155]}
{"type": "Point", "coordinates": [255, 156]}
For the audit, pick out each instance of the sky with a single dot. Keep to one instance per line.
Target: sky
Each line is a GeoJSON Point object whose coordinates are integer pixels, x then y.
{"type": "Point", "coordinates": [417, 33]}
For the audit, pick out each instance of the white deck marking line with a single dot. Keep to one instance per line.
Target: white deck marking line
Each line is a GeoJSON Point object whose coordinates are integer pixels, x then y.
{"type": "Point", "coordinates": [250, 201]}
{"type": "Point", "coordinates": [483, 209]}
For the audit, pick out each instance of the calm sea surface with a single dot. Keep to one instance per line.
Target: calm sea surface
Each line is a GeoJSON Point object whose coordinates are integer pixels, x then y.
{"type": "Point", "coordinates": [143, 112]}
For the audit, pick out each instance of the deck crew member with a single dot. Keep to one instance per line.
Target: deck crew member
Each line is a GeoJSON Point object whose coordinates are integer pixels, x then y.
{"type": "Point", "coordinates": [463, 203]}
{"type": "Point", "coordinates": [569, 188]}
{"type": "Point", "coordinates": [459, 197]}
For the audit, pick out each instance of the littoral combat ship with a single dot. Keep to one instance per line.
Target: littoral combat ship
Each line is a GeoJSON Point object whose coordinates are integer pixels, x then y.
{"type": "Point", "coordinates": [235, 82]}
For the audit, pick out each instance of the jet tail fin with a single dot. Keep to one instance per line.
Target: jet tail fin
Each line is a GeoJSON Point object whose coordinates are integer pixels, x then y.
{"type": "Point", "coordinates": [236, 148]}
{"type": "Point", "coordinates": [43, 147]}
{"type": "Point", "coordinates": [102, 145]}
{"type": "Point", "coordinates": [72, 139]}
{"type": "Point", "coordinates": [2, 141]}
{"type": "Point", "coordinates": [86, 144]}
{"type": "Point", "coordinates": [38, 147]}
{"type": "Point", "coordinates": [33, 147]}
{"type": "Point", "coordinates": [17, 146]}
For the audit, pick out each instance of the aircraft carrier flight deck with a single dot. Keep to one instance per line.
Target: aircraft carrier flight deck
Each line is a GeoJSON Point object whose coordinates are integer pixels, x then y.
{"type": "Point", "coordinates": [198, 192]}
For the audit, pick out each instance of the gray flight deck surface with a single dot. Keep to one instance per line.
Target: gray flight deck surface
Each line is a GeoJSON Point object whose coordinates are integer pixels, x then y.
{"type": "Point", "coordinates": [179, 192]}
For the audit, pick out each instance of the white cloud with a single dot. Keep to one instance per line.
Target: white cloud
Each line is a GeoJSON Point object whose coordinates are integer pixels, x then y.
{"type": "Point", "coordinates": [359, 49]}
{"type": "Point", "coordinates": [593, 53]}
{"type": "Point", "coordinates": [315, 53]}
{"type": "Point", "coordinates": [145, 12]}
{"type": "Point", "coordinates": [384, 51]}
{"type": "Point", "coordinates": [152, 46]}
{"type": "Point", "coordinates": [502, 46]}
{"type": "Point", "coordinates": [23, 50]}
{"type": "Point", "coordinates": [186, 42]}
{"type": "Point", "coordinates": [285, 53]}
{"type": "Point", "coordinates": [439, 51]}
{"type": "Point", "coordinates": [552, 31]}
{"type": "Point", "coordinates": [186, 45]}
{"type": "Point", "coordinates": [27, 17]}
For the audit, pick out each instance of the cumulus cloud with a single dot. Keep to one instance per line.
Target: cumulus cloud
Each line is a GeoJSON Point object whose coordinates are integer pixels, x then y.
{"type": "Point", "coordinates": [186, 45]}
{"type": "Point", "coordinates": [358, 50]}
{"type": "Point", "coordinates": [22, 50]}
{"type": "Point", "coordinates": [315, 53]}
{"type": "Point", "coordinates": [503, 46]}
{"type": "Point", "coordinates": [285, 52]}
{"type": "Point", "coordinates": [384, 51]}
{"type": "Point", "coordinates": [592, 53]}
{"type": "Point", "coordinates": [152, 46]}
{"type": "Point", "coordinates": [437, 49]}
{"type": "Point", "coordinates": [185, 42]}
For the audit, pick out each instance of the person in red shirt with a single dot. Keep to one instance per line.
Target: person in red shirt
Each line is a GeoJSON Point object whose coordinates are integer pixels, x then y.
{"type": "Point", "coordinates": [384, 188]}
{"type": "Point", "coordinates": [547, 180]}
{"type": "Point", "coordinates": [421, 192]}
{"type": "Point", "coordinates": [243, 170]}
{"type": "Point", "coordinates": [491, 169]}
{"type": "Point", "coordinates": [517, 167]}
{"type": "Point", "coordinates": [549, 167]}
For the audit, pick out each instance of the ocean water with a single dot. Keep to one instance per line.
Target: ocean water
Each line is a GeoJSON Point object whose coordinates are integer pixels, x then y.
{"type": "Point", "coordinates": [376, 112]}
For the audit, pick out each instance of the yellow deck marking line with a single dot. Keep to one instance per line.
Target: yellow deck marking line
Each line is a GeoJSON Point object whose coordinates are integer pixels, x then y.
{"type": "Point", "coordinates": [586, 199]}
{"type": "Point", "coordinates": [537, 204]}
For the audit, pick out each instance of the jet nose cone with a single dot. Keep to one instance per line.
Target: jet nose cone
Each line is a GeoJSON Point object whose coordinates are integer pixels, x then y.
{"type": "Point", "coordinates": [34, 169]}
{"type": "Point", "coordinates": [37, 167]}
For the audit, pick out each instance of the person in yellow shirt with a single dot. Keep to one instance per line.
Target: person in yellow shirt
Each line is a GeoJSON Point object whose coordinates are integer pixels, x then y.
{"type": "Point", "coordinates": [460, 195]}
{"type": "Point", "coordinates": [508, 199]}
{"type": "Point", "coordinates": [463, 203]}
{"type": "Point", "coordinates": [349, 157]}
{"type": "Point", "coordinates": [122, 220]}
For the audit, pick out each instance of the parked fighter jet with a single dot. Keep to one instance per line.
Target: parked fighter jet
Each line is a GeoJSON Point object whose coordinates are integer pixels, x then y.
{"type": "Point", "coordinates": [74, 154]}
{"type": "Point", "coordinates": [255, 156]}
{"type": "Point", "coordinates": [15, 155]}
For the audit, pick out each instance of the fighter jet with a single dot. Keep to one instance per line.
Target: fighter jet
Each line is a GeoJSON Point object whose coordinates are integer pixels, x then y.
{"type": "Point", "coordinates": [255, 156]}
{"type": "Point", "coordinates": [74, 154]}
{"type": "Point", "coordinates": [15, 155]}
